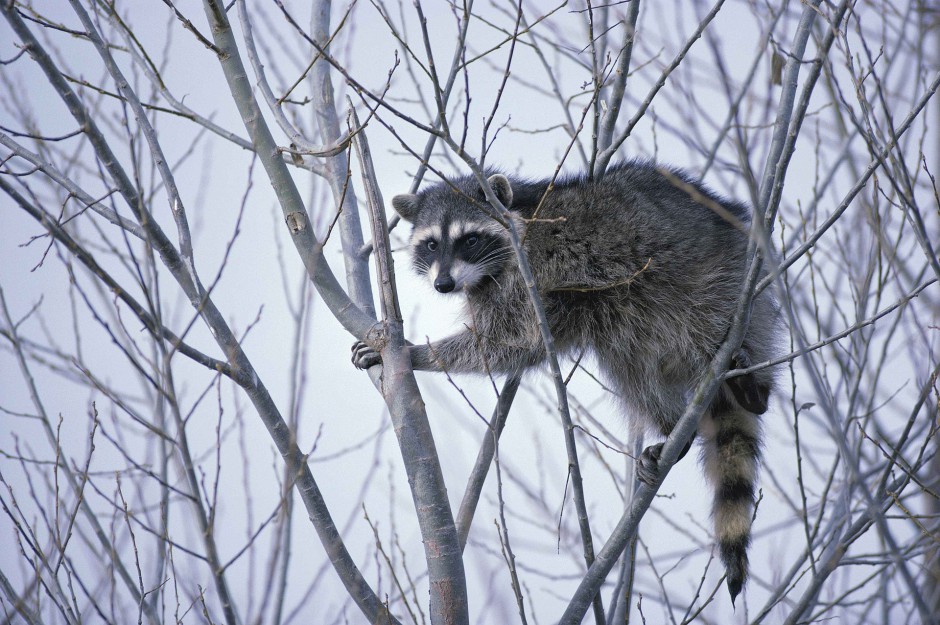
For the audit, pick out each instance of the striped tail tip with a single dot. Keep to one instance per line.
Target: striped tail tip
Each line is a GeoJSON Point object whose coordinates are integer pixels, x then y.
{"type": "Point", "coordinates": [734, 557]}
{"type": "Point", "coordinates": [734, 537]}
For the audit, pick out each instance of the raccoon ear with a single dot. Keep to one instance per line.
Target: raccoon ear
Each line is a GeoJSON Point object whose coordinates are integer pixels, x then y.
{"type": "Point", "coordinates": [406, 205]}
{"type": "Point", "coordinates": [501, 188]}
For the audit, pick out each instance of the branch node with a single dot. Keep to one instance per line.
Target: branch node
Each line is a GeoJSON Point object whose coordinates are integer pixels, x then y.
{"type": "Point", "coordinates": [296, 221]}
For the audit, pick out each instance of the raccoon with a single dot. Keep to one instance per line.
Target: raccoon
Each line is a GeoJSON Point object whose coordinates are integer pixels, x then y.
{"type": "Point", "coordinates": [642, 267]}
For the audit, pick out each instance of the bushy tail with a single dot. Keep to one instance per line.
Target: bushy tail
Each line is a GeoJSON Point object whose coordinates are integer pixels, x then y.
{"type": "Point", "coordinates": [731, 455]}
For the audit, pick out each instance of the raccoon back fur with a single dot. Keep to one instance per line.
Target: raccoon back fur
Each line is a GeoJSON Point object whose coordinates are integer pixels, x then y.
{"type": "Point", "coordinates": [644, 268]}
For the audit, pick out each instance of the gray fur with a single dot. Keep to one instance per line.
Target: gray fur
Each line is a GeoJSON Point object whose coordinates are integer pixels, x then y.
{"type": "Point", "coordinates": [644, 268]}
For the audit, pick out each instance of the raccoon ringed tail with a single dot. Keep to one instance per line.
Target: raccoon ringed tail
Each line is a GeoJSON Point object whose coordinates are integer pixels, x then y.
{"type": "Point", "coordinates": [731, 457]}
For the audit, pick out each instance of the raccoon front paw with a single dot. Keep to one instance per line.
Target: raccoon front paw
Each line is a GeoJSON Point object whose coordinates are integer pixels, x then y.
{"type": "Point", "coordinates": [364, 356]}
{"type": "Point", "coordinates": [647, 467]}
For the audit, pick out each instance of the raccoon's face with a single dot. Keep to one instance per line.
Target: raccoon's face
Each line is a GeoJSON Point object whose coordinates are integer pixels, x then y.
{"type": "Point", "coordinates": [454, 242]}
{"type": "Point", "coordinates": [459, 255]}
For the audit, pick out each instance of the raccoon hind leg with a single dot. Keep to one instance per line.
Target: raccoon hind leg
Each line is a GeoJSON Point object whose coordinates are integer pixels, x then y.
{"type": "Point", "coordinates": [663, 405]}
{"type": "Point", "coordinates": [731, 457]}
{"type": "Point", "coordinates": [653, 399]}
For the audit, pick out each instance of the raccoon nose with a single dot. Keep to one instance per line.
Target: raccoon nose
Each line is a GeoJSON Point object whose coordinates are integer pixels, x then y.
{"type": "Point", "coordinates": [444, 284]}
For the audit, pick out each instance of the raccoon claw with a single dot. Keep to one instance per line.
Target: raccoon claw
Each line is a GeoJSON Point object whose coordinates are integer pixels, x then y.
{"type": "Point", "coordinates": [364, 356]}
{"type": "Point", "coordinates": [647, 467]}
{"type": "Point", "coordinates": [749, 393]}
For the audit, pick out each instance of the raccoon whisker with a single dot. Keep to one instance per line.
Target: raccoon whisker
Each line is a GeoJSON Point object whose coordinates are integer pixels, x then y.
{"type": "Point", "coordinates": [487, 252]}
{"type": "Point", "coordinates": [493, 261]}
{"type": "Point", "coordinates": [497, 255]}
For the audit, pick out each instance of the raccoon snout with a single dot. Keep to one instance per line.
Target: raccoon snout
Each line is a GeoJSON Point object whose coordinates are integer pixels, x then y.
{"type": "Point", "coordinates": [444, 284]}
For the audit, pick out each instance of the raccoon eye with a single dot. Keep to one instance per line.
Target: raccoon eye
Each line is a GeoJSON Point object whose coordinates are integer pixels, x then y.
{"type": "Point", "coordinates": [471, 240]}
{"type": "Point", "coordinates": [431, 245]}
